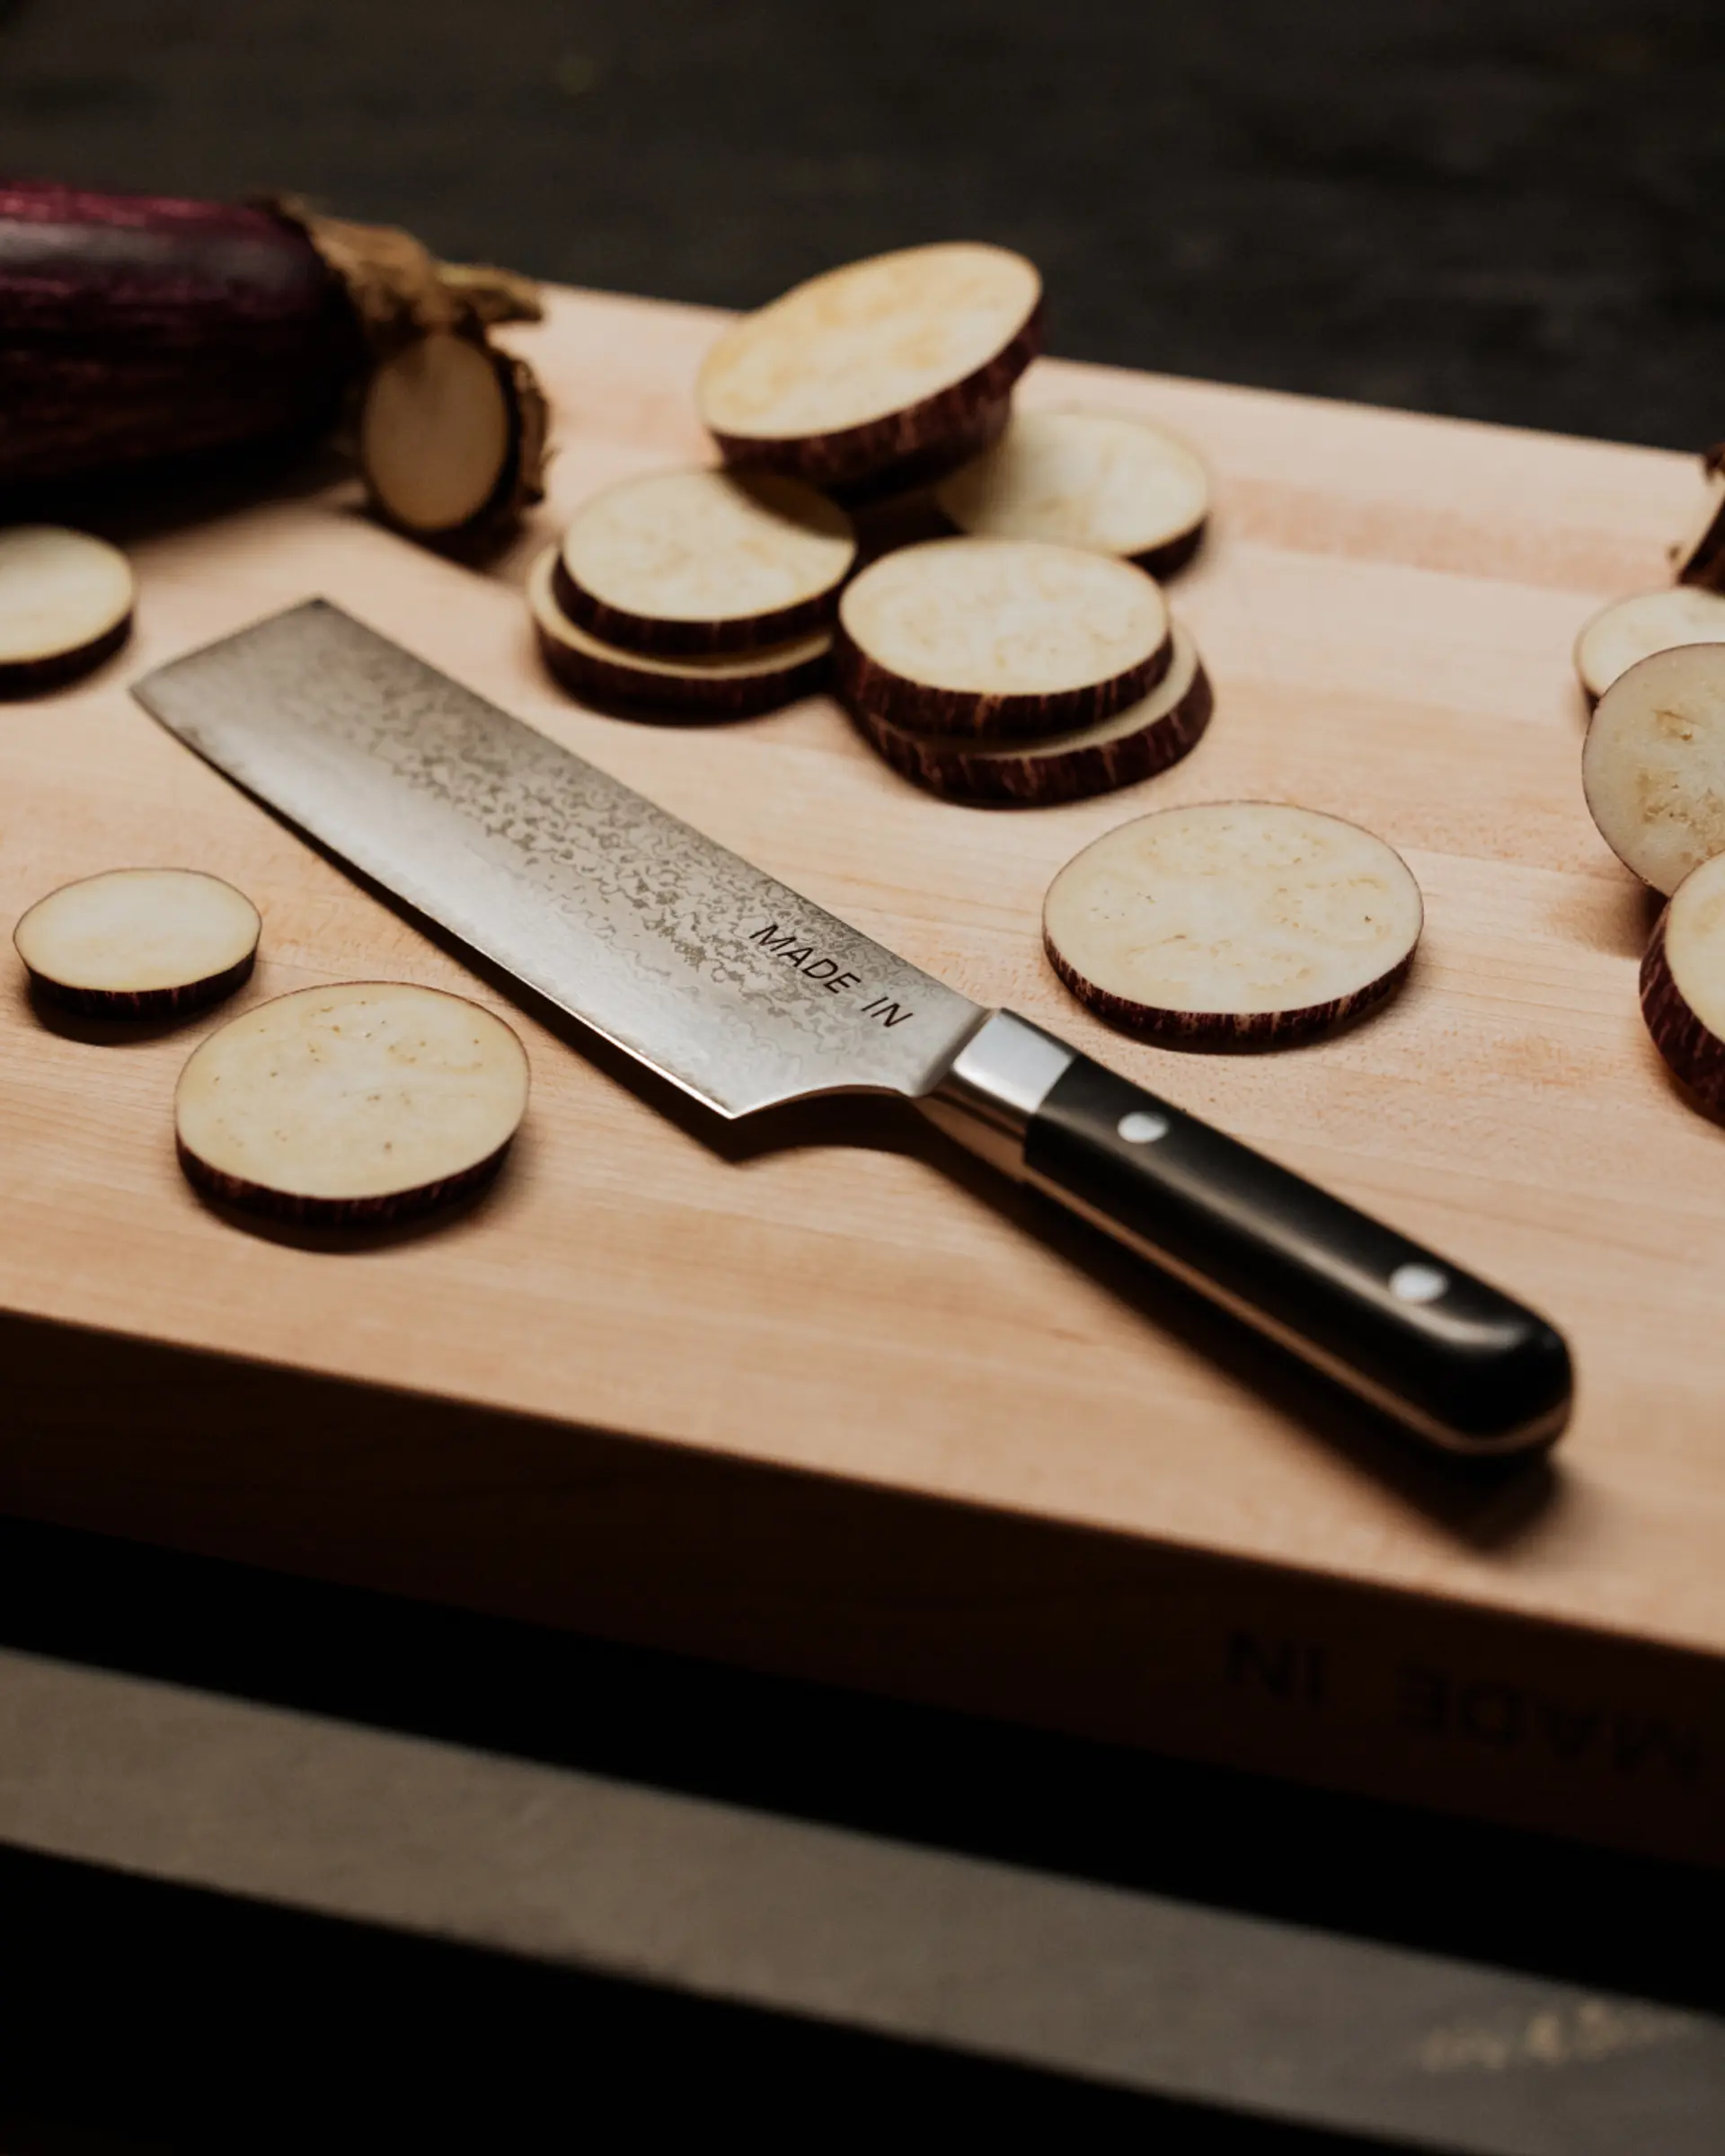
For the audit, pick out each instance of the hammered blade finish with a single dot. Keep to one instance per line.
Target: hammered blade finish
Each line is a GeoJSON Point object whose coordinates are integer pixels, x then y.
{"type": "Point", "coordinates": [715, 976]}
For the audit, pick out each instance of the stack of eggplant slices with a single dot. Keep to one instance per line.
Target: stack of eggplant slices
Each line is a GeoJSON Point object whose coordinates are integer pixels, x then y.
{"type": "Point", "coordinates": [981, 591]}
{"type": "Point", "coordinates": [1020, 653]}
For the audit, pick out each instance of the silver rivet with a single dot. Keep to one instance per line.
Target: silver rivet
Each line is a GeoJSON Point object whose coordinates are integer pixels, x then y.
{"type": "Point", "coordinates": [1141, 1128]}
{"type": "Point", "coordinates": [1418, 1283]}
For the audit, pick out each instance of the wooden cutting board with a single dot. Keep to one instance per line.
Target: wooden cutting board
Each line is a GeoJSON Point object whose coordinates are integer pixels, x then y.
{"type": "Point", "coordinates": [809, 1399]}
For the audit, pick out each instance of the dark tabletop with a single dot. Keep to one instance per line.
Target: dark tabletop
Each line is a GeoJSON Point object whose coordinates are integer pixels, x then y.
{"type": "Point", "coordinates": [284, 1865]}
{"type": "Point", "coordinates": [294, 1866]}
{"type": "Point", "coordinates": [1504, 208]}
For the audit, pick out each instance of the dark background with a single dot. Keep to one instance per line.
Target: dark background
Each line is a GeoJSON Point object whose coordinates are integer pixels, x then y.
{"type": "Point", "coordinates": [1509, 210]}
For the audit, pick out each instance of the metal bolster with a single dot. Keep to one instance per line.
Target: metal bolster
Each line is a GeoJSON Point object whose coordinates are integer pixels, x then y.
{"type": "Point", "coordinates": [995, 1085]}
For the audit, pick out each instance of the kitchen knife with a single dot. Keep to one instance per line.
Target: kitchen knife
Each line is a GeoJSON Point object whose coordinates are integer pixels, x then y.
{"type": "Point", "coordinates": [746, 995]}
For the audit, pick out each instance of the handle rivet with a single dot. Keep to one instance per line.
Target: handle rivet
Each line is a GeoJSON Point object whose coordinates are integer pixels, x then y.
{"type": "Point", "coordinates": [1418, 1283]}
{"type": "Point", "coordinates": [1141, 1128]}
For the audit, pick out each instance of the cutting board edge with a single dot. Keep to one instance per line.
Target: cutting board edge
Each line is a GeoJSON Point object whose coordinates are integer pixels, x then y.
{"type": "Point", "coordinates": [1334, 1682]}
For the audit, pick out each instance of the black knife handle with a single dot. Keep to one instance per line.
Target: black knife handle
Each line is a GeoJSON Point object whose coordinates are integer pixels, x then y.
{"type": "Point", "coordinates": [1452, 1359]}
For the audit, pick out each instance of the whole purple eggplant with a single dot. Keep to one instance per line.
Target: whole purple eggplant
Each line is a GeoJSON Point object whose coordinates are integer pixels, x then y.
{"type": "Point", "coordinates": [146, 329]}
{"type": "Point", "coordinates": [137, 328]}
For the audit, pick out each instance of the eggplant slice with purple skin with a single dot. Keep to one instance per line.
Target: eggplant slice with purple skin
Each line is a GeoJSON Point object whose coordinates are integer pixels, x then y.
{"type": "Point", "coordinates": [862, 377]}
{"type": "Point", "coordinates": [1683, 984]}
{"type": "Point", "coordinates": [1628, 631]}
{"type": "Point", "coordinates": [1232, 923]}
{"type": "Point", "coordinates": [1098, 480]}
{"type": "Point", "coordinates": [139, 942]}
{"type": "Point", "coordinates": [448, 427]}
{"type": "Point", "coordinates": [1137, 743]}
{"type": "Point", "coordinates": [999, 638]}
{"type": "Point", "coordinates": [66, 605]}
{"type": "Point", "coordinates": [1653, 764]}
{"type": "Point", "coordinates": [699, 561]}
{"type": "Point", "coordinates": [724, 684]}
{"type": "Point", "coordinates": [351, 1105]}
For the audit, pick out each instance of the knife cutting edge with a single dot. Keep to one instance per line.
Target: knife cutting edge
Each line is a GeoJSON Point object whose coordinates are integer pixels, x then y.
{"type": "Point", "coordinates": [746, 996]}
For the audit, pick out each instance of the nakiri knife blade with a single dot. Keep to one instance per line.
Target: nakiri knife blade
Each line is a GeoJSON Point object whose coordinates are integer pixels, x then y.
{"type": "Point", "coordinates": [746, 996]}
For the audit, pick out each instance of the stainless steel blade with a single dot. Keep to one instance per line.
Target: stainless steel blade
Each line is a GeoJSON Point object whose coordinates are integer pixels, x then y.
{"type": "Point", "coordinates": [715, 976]}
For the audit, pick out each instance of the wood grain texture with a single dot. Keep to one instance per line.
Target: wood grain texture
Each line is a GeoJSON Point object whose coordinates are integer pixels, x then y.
{"type": "Point", "coordinates": [1386, 605]}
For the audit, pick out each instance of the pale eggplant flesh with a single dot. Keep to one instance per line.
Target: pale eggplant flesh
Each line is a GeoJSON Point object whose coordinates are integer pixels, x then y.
{"type": "Point", "coordinates": [725, 684]}
{"type": "Point", "coordinates": [699, 561]}
{"type": "Point", "coordinates": [1137, 743]}
{"type": "Point", "coordinates": [66, 607]}
{"type": "Point", "coordinates": [875, 375]}
{"type": "Point", "coordinates": [139, 943]}
{"type": "Point", "coordinates": [1234, 923]}
{"type": "Point", "coordinates": [1653, 764]}
{"type": "Point", "coordinates": [999, 638]}
{"type": "Point", "coordinates": [354, 1105]}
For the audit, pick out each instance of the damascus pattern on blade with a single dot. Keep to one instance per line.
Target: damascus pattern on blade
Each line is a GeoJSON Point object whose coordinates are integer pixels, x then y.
{"type": "Point", "coordinates": [720, 978]}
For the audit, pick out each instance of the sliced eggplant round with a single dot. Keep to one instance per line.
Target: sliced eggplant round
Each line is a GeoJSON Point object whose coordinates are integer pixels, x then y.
{"type": "Point", "coordinates": [358, 1104]}
{"type": "Point", "coordinates": [1653, 764]}
{"type": "Point", "coordinates": [731, 685]}
{"type": "Point", "coordinates": [681, 563]}
{"type": "Point", "coordinates": [1631, 630]}
{"type": "Point", "coordinates": [451, 436]}
{"type": "Point", "coordinates": [1135, 744]}
{"type": "Point", "coordinates": [1231, 924]}
{"type": "Point", "coordinates": [998, 639]}
{"type": "Point", "coordinates": [862, 369]}
{"type": "Point", "coordinates": [65, 604]}
{"type": "Point", "coordinates": [1682, 983]}
{"type": "Point", "coordinates": [1090, 479]}
{"type": "Point", "coordinates": [139, 942]}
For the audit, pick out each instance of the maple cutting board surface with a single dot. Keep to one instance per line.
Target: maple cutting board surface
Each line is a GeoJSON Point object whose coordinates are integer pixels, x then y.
{"type": "Point", "coordinates": [1387, 604]}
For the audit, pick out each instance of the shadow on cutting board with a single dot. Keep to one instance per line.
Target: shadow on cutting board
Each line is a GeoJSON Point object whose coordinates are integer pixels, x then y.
{"type": "Point", "coordinates": [133, 506]}
{"type": "Point", "coordinates": [1485, 1504]}
{"type": "Point", "coordinates": [100, 1033]}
